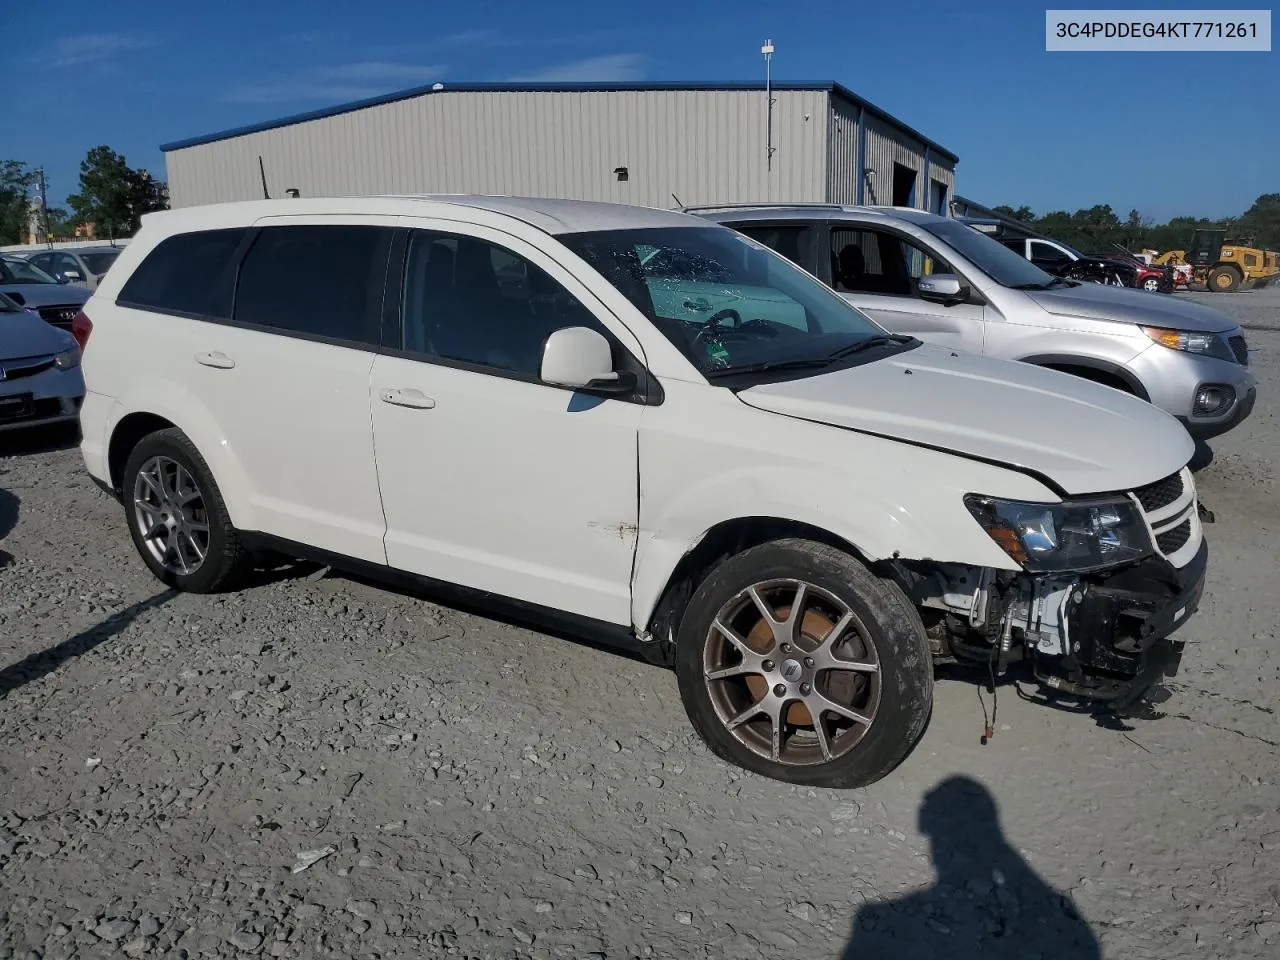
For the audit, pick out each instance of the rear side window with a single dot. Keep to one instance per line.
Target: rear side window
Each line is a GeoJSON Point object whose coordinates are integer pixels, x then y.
{"type": "Point", "coordinates": [321, 281]}
{"type": "Point", "coordinates": [191, 274]}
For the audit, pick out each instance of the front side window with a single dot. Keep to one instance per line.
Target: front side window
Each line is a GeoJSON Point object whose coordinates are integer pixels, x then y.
{"type": "Point", "coordinates": [470, 301]}
{"type": "Point", "coordinates": [1048, 253]}
{"type": "Point", "coordinates": [189, 274]}
{"type": "Point", "coordinates": [729, 304]}
{"type": "Point", "coordinates": [316, 280]}
{"type": "Point", "coordinates": [64, 262]}
{"type": "Point", "coordinates": [17, 270]}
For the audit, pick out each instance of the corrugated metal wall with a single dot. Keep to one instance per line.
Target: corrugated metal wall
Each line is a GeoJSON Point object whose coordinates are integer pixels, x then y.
{"type": "Point", "coordinates": [842, 170]}
{"type": "Point", "coordinates": [885, 147]}
{"type": "Point", "coordinates": [705, 146]}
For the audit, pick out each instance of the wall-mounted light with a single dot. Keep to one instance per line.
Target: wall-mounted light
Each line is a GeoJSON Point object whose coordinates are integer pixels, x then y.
{"type": "Point", "coordinates": [293, 193]}
{"type": "Point", "coordinates": [622, 174]}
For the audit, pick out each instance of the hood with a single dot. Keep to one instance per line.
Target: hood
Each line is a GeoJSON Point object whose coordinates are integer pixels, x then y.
{"type": "Point", "coordinates": [24, 334]}
{"type": "Point", "coordinates": [1097, 301]}
{"type": "Point", "coordinates": [46, 294]}
{"type": "Point", "coordinates": [1083, 436]}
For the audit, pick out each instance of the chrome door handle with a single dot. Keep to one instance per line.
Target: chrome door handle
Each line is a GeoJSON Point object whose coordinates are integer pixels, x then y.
{"type": "Point", "coordinates": [407, 398]}
{"type": "Point", "coordinates": [216, 359]}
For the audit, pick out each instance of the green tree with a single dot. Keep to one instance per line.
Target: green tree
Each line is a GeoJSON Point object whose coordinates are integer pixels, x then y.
{"type": "Point", "coordinates": [1023, 213]}
{"type": "Point", "coordinates": [15, 202]}
{"type": "Point", "coordinates": [113, 196]}
{"type": "Point", "coordinates": [1262, 221]}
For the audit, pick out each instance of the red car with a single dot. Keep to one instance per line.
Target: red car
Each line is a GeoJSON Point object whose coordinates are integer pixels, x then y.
{"type": "Point", "coordinates": [1154, 279]}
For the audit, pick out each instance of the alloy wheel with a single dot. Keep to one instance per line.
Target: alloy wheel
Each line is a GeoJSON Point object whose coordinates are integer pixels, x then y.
{"type": "Point", "coordinates": [792, 672]}
{"type": "Point", "coordinates": [171, 517]}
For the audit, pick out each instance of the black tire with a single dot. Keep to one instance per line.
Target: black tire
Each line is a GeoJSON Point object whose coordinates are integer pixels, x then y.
{"type": "Point", "coordinates": [226, 561]}
{"type": "Point", "coordinates": [905, 691]}
{"type": "Point", "coordinates": [1151, 285]}
{"type": "Point", "coordinates": [1224, 280]}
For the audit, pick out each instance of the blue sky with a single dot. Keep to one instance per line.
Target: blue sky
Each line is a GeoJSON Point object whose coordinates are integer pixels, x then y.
{"type": "Point", "coordinates": [1166, 133]}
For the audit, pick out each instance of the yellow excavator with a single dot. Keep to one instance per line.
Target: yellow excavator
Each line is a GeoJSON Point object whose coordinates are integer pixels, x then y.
{"type": "Point", "coordinates": [1224, 267]}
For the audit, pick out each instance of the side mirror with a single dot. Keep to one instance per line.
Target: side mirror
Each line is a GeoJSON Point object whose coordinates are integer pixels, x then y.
{"type": "Point", "coordinates": [942, 288]}
{"type": "Point", "coordinates": [581, 359]}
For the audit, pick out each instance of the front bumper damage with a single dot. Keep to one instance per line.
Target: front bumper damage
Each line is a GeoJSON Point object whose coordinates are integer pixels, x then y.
{"type": "Point", "coordinates": [1119, 630]}
{"type": "Point", "coordinates": [1105, 637]}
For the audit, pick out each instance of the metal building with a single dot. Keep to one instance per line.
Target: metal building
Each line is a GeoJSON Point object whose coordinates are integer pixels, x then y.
{"type": "Point", "coordinates": [650, 144]}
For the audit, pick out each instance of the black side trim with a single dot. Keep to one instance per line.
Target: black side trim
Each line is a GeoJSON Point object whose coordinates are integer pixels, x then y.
{"type": "Point", "coordinates": [1090, 363]}
{"type": "Point", "coordinates": [393, 293]}
{"type": "Point", "coordinates": [481, 602]}
{"type": "Point", "coordinates": [1017, 468]}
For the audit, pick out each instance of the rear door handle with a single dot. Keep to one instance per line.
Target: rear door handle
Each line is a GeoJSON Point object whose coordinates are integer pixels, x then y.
{"type": "Point", "coordinates": [407, 398]}
{"type": "Point", "coordinates": [216, 359]}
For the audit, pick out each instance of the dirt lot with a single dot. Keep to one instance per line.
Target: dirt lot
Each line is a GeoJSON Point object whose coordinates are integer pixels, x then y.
{"type": "Point", "coordinates": [489, 791]}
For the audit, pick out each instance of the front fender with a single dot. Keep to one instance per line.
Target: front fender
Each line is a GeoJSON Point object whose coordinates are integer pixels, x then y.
{"type": "Point", "coordinates": [920, 518]}
{"type": "Point", "coordinates": [173, 402]}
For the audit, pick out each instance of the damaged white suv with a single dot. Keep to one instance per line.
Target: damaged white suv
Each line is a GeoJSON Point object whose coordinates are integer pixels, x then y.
{"type": "Point", "coordinates": [647, 428]}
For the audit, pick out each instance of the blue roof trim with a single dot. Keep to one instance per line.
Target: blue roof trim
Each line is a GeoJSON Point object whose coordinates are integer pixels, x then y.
{"type": "Point", "coordinates": [834, 88]}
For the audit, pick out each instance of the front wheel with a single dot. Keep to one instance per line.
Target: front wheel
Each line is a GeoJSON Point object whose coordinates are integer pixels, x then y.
{"type": "Point", "coordinates": [1151, 285]}
{"type": "Point", "coordinates": [796, 662]}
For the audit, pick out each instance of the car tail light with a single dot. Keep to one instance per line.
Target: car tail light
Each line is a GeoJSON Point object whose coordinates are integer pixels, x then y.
{"type": "Point", "coordinates": [81, 327]}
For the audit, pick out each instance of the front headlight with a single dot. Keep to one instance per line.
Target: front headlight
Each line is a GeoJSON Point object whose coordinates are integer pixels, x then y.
{"type": "Point", "coordinates": [1206, 344]}
{"type": "Point", "coordinates": [67, 359]}
{"type": "Point", "coordinates": [1076, 536]}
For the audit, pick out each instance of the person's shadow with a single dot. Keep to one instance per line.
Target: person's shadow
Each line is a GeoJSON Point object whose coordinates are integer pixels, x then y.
{"type": "Point", "coordinates": [987, 903]}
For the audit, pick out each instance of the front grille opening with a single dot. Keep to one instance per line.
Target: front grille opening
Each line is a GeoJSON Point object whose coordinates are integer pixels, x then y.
{"type": "Point", "coordinates": [61, 317]}
{"type": "Point", "coordinates": [1171, 541]}
{"type": "Point", "coordinates": [1240, 349]}
{"type": "Point", "coordinates": [1160, 494]}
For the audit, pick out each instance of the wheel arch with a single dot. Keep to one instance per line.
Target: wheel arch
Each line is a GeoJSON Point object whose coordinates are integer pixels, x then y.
{"type": "Point", "coordinates": [1096, 369]}
{"type": "Point", "coordinates": [164, 406]}
{"type": "Point", "coordinates": [660, 617]}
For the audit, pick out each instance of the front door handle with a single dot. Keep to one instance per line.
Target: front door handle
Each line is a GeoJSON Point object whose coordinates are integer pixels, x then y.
{"type": "Point", "coordinates": [216, 359]}
{"type": "Point", "coordinates": [407, 398]}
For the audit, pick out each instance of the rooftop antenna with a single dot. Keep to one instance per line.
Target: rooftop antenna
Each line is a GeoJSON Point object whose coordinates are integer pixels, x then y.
{"type": "Point", "coordinates": [263, 172]}
{"type": "Point", "coordinates": [767, 50]}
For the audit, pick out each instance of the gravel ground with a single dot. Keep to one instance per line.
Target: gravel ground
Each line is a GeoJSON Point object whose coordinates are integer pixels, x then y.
{"type": "Point", "coordinates": [476, 789]}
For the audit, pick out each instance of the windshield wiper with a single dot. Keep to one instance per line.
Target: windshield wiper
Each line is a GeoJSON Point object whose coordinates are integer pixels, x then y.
{"type": "Point", "coordinates": [877, 341]}
{"type": "Point", "coordinates": [768, 366]}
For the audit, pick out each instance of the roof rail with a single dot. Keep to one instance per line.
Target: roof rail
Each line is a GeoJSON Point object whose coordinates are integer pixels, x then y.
{"type": "Point", "coordinates": [760, 206]}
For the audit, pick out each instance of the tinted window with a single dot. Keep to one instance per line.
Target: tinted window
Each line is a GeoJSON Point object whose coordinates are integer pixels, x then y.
{"type": "Point", "coordinates": [99, 262]}
{"type": "Point", "coordinates": [190, 274]}
{"type": "Point", "coordinates": [785, 239]}
{"type": "Point", "coordinates": [1047, 253]}
{"type": "Point", "coordinates": [476, 302]}
{"type": "Point", "coordinates": [732, 303]}
{"type": "Point", "coordinates": [323, 281]}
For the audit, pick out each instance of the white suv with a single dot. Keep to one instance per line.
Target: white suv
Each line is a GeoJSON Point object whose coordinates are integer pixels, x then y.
{"type": "Point", "coordinates": [651, 429]}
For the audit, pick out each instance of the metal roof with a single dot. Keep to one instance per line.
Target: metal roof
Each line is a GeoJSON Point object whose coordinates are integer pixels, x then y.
{"type": "Point", "coordinates": [835, 89]}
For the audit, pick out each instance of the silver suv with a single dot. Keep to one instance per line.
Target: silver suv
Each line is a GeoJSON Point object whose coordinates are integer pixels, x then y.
{"type": "Point", "coordinates": [944, 282]}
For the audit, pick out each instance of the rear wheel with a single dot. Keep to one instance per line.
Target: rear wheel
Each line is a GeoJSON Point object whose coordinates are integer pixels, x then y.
{"type": "Point", "coordinates": [177, 517]}
{"type": "Point", "coordinates": [1151, 284]}
{"type": "Point", "coordinates": [796, 662]}
{"type": "Point", "coordinates": [1224, 279]}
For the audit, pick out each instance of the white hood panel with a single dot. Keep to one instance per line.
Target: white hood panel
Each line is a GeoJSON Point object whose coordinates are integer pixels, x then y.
{"type": "Point", "coordinates": [1083, 436]}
